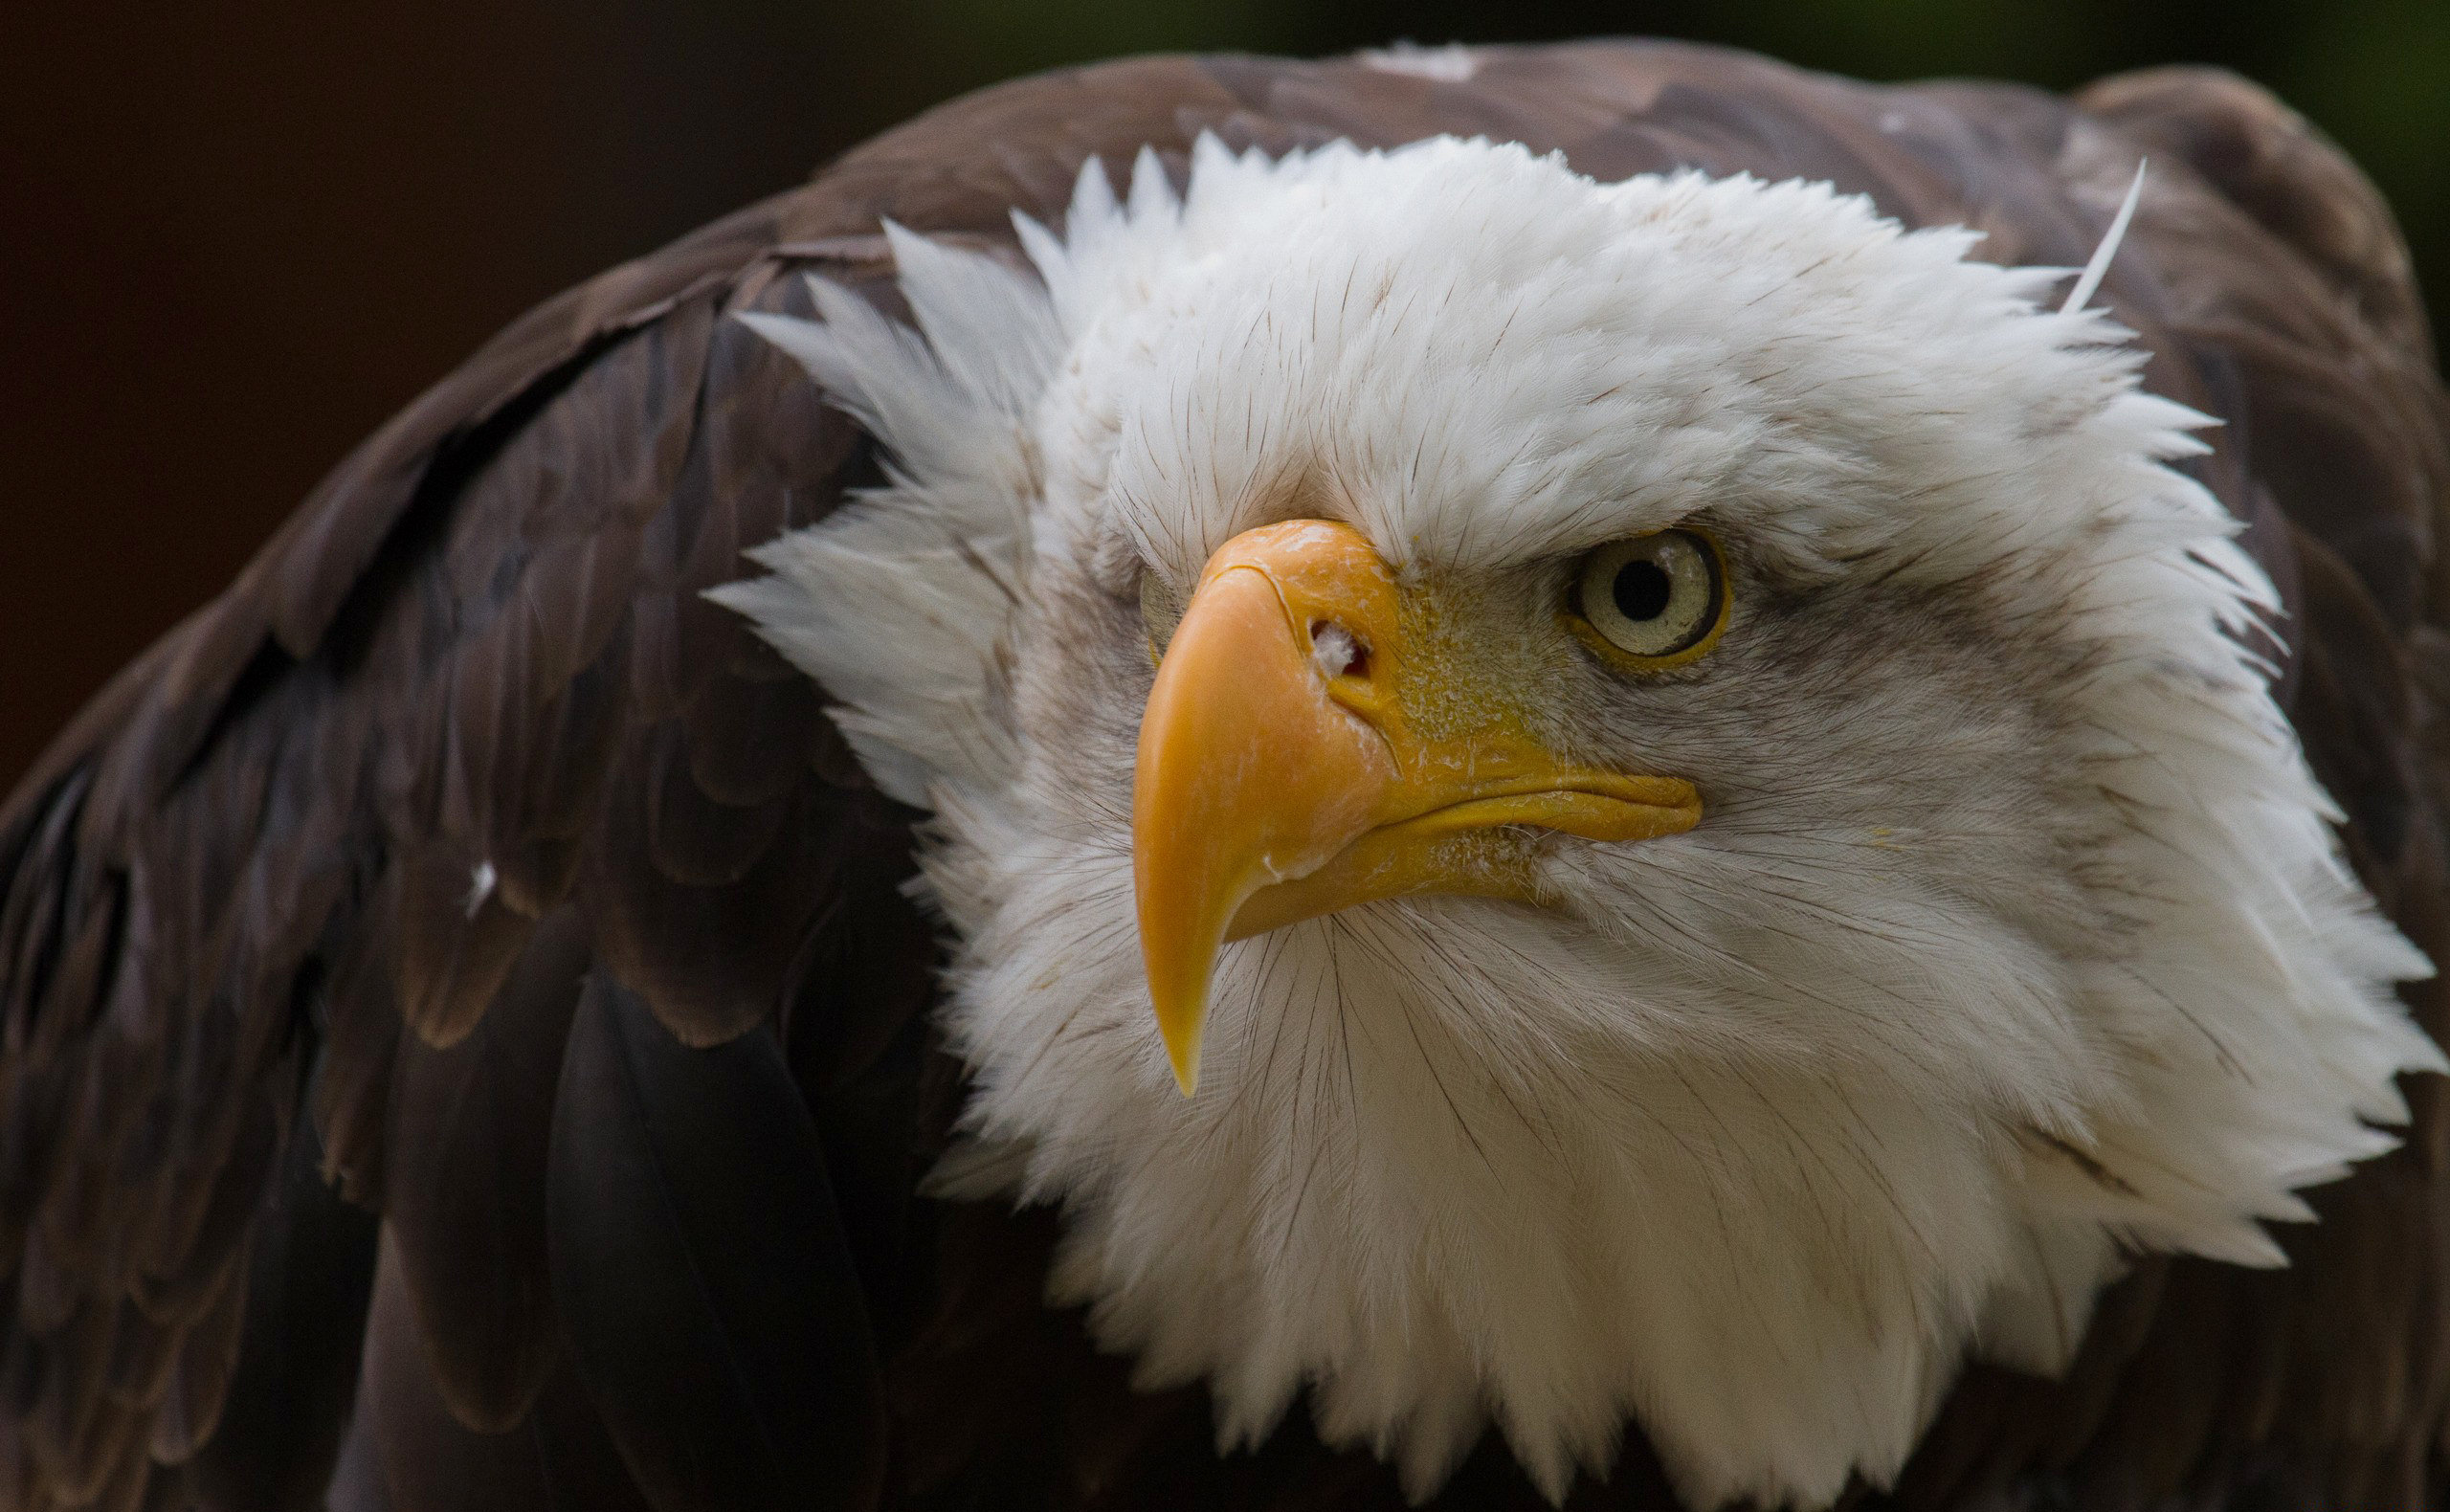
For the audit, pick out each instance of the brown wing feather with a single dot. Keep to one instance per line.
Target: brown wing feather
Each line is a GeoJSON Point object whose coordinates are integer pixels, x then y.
{"type": "Point", "coordinates": [242, 890]}
{"type": "Point", "coordinates": [239, 889]}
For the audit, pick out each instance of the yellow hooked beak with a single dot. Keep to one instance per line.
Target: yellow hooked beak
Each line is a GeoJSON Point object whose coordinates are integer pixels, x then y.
{"type": "Point", "coordinates": [1284, 771]}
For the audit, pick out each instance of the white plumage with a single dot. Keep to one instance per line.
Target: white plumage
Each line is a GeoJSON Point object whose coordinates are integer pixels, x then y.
{"type": "Point", "coordinates": [2014, 932]}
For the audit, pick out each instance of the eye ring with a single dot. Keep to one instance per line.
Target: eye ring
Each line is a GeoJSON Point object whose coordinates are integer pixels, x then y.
{"type": "Point", "coordinates": [1651, 602]}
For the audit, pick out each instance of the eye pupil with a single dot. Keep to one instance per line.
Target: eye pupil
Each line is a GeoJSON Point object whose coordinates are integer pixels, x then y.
{"type": "Point", "coordinates": [1641, 591]}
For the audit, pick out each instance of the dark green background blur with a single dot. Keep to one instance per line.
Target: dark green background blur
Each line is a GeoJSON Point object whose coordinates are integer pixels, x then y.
{"type": "Point", "coordinates": [235, 236]}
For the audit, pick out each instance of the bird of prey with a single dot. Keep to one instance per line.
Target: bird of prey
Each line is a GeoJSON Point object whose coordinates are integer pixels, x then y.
{"type": "Point", "coordinates": [1476, 778]}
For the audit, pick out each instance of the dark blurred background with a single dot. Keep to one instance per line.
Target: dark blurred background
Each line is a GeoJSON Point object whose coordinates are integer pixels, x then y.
{"type": "Point", "coordinates": [234, 238]}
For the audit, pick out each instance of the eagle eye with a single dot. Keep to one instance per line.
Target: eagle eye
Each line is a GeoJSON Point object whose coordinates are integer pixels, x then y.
{"type": "Point", "coordinates": [1659, 599]}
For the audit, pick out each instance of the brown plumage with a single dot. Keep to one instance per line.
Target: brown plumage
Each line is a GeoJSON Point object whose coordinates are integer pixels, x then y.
{"type": "Point", "coordinates": [644, 1120]}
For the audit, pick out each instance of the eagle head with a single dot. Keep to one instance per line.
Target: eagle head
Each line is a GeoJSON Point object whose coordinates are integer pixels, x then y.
{"type": "Point", "coordinates": [1564, 803]}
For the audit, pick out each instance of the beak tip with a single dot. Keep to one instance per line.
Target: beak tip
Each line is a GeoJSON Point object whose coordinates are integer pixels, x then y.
{"type": "Point", "coordinates": [1182, 1034]}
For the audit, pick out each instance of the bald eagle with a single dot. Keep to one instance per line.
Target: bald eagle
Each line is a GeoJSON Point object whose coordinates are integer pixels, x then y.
{"type": "Point", "coordinates": [1478, 778]}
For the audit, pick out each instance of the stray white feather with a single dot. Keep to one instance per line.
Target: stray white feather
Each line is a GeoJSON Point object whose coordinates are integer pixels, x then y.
{"type": "Point", "coordinates": [2097, 267]}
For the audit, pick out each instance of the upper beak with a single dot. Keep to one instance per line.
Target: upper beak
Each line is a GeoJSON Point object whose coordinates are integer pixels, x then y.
{"type": "Point", "coordinates": [1283, 771]}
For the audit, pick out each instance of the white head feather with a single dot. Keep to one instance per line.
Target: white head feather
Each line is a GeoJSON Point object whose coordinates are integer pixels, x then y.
{"type": "Point", "coordinates": [2016, 934]}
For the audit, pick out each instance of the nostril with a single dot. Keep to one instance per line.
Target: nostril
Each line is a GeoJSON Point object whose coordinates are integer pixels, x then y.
{"type": "Point", "coordinates": [1335, 653]}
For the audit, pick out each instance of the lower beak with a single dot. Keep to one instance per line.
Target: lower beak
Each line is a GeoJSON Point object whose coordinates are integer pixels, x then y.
{"type": "Point", "coordinates": [1282, 775]}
